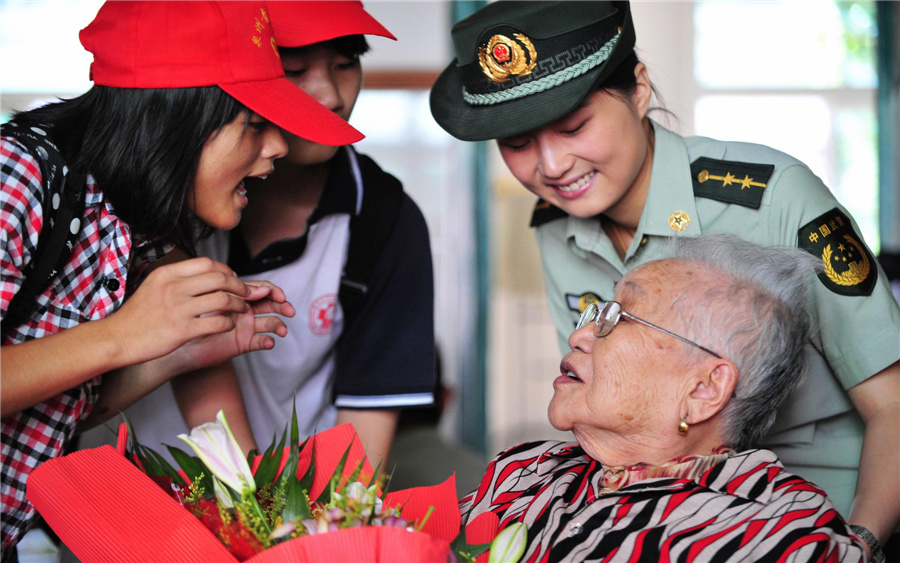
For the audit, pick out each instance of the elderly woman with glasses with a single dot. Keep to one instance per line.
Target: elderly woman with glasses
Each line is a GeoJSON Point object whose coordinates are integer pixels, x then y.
{"type": "Point", "coordinates": [665, 389]}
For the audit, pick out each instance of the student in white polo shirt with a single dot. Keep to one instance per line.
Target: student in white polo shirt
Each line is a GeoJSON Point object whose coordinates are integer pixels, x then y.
{"type": "Point", "coordinates": [361, 345]}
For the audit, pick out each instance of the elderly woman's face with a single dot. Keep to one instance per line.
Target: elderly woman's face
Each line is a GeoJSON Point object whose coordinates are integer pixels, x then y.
{"type": "Point", "coordinates": [629, 382]}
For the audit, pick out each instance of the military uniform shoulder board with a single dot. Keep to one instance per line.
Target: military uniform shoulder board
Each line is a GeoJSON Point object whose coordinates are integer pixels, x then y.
{"type": "Point", "coordinates": [743, 183]}
{"type": "Point", "coordinates": [544, 213]}
{"type": "Point", "coordinates": [849, 268]}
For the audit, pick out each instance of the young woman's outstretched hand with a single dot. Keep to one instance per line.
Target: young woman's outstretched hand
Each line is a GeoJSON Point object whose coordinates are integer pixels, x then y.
{"type": "Point", "coordinates": [252, 329]}
{"type": "Point", "coordinates": [186, 315]}
{"type": "Point", "coordinates": [202, 304]}
{"type": "Point", "coordinates": [201, 315]}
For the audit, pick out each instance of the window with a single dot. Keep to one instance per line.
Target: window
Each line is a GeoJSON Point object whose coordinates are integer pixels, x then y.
{"type": "Point", "coordinates": [800, 78]}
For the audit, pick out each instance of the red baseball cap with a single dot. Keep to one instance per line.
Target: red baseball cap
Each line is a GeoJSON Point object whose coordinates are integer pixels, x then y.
{"type": "Point", "coordinates": [229, 44]}
{"type": "Point", "coordinates": [302, 23]}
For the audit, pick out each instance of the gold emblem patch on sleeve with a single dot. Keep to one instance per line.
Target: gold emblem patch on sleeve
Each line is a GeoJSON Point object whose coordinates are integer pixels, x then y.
{"type": "Point", "coordinates": [848, 267]}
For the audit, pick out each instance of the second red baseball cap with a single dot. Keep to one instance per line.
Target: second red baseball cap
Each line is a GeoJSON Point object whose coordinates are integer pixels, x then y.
{"type": "Point", "coordinates": [229, 44]}
{"type": "Point", "coordinates": [302, 23]}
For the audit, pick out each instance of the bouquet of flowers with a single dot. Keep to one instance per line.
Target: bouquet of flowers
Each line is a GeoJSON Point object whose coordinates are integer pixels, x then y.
{"type": "Point", "coordinates": [318, 500]}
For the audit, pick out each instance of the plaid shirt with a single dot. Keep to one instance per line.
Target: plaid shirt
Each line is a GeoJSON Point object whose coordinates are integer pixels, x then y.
{"type": "Point", "coordinates": [745, 508]}
{"type": "Point", "coordinates": [91, 286]}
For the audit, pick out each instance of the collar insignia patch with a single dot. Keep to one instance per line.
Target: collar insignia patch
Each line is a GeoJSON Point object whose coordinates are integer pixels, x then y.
{"type": "Point", "coordinates": [849, 268]}
{"type": "Point", "coordinates": [544, 213]}
{"type": "Point", "coordinates": [502, 57]}
{"type": "Point", "coordinates": [743, 183]}
{"type": "Point", "coordinates": [679, 221]}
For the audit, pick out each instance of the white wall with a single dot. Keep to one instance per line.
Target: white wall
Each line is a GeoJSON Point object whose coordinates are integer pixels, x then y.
{"type": "Point", "coordinates": [422, 31]}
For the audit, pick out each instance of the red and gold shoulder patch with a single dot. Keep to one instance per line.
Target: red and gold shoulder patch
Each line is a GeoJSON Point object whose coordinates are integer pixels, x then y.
{"type": "Point", "coordinates": [849, 268]}
{"type": "Point", "coordinates": [743, 183]}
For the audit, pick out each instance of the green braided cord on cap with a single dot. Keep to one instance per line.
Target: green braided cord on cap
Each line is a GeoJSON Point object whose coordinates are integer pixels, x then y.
{"type": "Point", "coordinates": [545, 83]}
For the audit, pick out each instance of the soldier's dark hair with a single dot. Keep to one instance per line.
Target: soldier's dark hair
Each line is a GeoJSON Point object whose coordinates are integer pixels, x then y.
{"type": "Point", "coordinates": [350, 46]}
{"type": "Point", "coordinates": [621, 83]}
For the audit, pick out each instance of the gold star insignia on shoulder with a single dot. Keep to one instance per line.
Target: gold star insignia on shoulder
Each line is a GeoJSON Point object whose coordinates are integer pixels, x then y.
{"type": "Point", "coordinates": [721, 180]}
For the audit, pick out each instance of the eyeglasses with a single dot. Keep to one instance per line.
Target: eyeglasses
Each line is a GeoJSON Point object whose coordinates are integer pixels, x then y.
{"type": "Point", "coordinates": [607, 317]}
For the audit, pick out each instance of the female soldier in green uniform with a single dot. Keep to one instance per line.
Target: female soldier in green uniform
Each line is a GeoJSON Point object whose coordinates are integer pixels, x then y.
{"type": "Point", "coordinates": [559, 86]}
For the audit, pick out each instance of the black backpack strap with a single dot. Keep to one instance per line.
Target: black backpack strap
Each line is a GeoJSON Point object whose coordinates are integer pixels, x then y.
{"type": "Point", "coordinates": [369, 232]}
{"type": "Point", "coordinates": [63, 207]}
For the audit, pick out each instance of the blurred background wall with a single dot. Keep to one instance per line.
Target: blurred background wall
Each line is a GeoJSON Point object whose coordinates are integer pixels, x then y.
{"type": "Point", "coordinates": [797, 75]}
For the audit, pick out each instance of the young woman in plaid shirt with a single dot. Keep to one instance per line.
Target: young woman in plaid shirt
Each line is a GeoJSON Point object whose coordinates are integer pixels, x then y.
{"type": "Point", "coordinates": [182, 110]}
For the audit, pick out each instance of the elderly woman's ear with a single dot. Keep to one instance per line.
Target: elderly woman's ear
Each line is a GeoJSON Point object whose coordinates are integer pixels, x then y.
{"type": "Point", "coordinates": [710, 389]}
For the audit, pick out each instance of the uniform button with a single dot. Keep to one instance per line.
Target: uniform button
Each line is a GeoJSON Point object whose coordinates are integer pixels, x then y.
{"type": "Point", "coordinates": [643, 241]}
{"type": "Point", "coordinates": [112, 284]}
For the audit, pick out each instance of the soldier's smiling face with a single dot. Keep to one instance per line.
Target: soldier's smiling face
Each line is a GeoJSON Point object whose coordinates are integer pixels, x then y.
{"type": "Point", "coordinates": [596, 159]}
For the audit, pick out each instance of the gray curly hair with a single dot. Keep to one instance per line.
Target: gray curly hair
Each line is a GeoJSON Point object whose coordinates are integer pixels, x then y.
{"type": "Point", "coordinates": [758, 319]}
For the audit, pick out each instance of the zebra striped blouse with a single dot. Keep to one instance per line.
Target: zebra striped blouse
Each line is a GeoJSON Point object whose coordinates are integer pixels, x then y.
{"type": "Point", "coordinates": [746, 507]}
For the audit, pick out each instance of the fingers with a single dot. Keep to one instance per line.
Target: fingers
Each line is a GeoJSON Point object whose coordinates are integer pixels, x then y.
{"type": "Point", "coordinates": [213, 324]}
{"type": "Point", "coordinates": [212, 281]}
{"type": "Point", "coordinates": [201, 275]}
{"type": "Point", "coordinates": [215, 303]}
{"type": "Point", "coordinates": [260, 289]}
{"type": "Point", "coordinates": [261, 342]}
{"type": "Point", "coordinates": [265, 307]}
{"type": "Point", "coordinates": [263, 327]}
{"type": "Point", "coordinates": [196, 266]}
{"type": "Point", "coordinates": [270, 324]}
{"type": "Point", "coordinates": [266, 297]}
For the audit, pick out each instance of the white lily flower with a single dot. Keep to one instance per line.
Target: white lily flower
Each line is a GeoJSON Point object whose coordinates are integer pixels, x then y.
{"type": "Point", "coordinates": [216, 447]}
{"type": "Point", "coordinates": [509, 545]}
{"type": "Point", "coordinates": [368, 496]}
{"type": "Point", "coordinates": [222, 495]}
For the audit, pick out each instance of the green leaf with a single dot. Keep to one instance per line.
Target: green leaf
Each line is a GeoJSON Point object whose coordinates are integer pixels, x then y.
{"type": "Point", "coordinates": [138, 450]}
{"type": "Point", "coordinates": [151, 467]}
{"type": "Point", "coordinates": [271, 460]}
{"type": "Point", "coordinates": [355, 475]}
{"type": "Point", "coordinates": [295, 428]}
{"type": "Point", "coordinates": [193, 468]}
{"type": "Point", "coordinates": [306, 482]}
{"type": "Point", "coordinates": [464, 549]}
{"type": "Point", "coordinates": [296, 502]}
{"type": "Point", "coordinates": [375, 478]}
{"type": "Point", "coordinates": [325, 497]}
{"type": "Point", "coordinates": [166, 467]}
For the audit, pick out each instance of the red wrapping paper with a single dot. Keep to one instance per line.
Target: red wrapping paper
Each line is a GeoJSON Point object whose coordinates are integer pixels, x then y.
{"type": "Point", "coordinates": [375, 544]}
{"type": "Point", "coordinates": [105, 509]}
{"type": "Point", "coordinates": [483, 529]}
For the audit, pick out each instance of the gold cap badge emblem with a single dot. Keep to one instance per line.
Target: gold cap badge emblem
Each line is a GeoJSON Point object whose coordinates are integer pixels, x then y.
{"type": "Point", "coordinates": [679, 221]}
{"type": "Point", "coordinates": [503, 57]}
